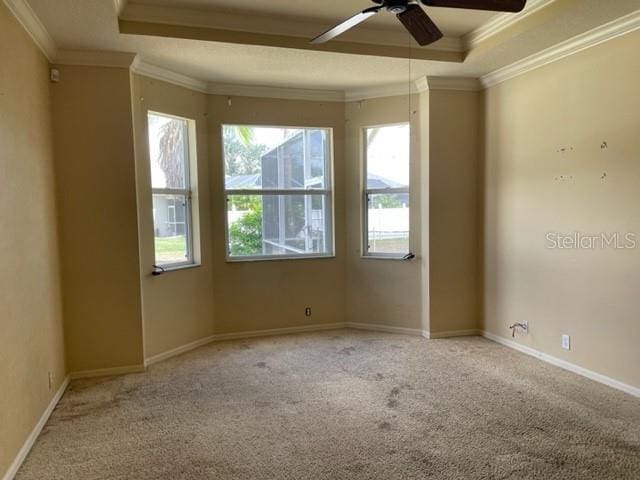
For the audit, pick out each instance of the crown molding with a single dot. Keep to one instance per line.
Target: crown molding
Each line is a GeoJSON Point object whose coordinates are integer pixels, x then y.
{"type": "Point", "coordinates": [462, 84]}
{"type": "Point", "coordinates": [276, 92]}
{"type": "Point", "coordinates": [422, 85]}
{"type": "Point", "coordinates": [598, 35]}
{"type": "Point", "coordinates": [159, 73]}
{"type": "Point", "coordinates": [501, 22]}
{"type": "Point", "coordinates": [95, 58]}
{"type": "Point", "coordinates": [34, 27]}
{"type": "Point", "coordinates": [120, 5]}
{"type": "Point", "coordinates": [393, 90]}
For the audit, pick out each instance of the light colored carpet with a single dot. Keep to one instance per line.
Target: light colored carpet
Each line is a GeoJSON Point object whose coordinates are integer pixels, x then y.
{"type": "Point", "coordinates": [342, 405]}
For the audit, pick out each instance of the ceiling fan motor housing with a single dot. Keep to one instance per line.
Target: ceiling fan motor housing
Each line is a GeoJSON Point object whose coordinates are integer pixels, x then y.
{"type": "Point", "coordinates": [396, 6]}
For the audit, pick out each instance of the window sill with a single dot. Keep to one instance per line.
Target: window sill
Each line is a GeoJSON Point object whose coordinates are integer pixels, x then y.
{"type": "Point", "coordinates": [175, 268]}
{"type": "Point", "coordinates": [384, 257]}
{"type": "Point", "coordinates": [277, 258]}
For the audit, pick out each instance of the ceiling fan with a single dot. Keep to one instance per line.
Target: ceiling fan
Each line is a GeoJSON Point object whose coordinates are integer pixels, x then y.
{"type": "Point", "coordinates": [415, 20]}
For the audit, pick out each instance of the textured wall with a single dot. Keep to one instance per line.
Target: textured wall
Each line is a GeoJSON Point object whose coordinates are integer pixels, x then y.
{"type": "Point", "coordinates": [274, 294]}
{"type": "Point", "coordinates": [385, 292]}
{"type": "Point", "coordinates": [31, 337]}
{"type": "Point", "coordinates": [177, 306]}
{"type": "Point", "coordinates": [95, 170]}
{"type": "Point", "coordinates": [547, 170]}
{"type": "Point", "coordinates": [455, 140]}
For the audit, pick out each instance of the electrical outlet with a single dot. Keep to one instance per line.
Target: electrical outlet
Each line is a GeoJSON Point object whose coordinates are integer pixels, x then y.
{"type": "Point", "coordinates": [526, 326]}
{"type": "Point", "coordinates": [566, 342]}
{"type": "Point", "coordinates": [50, 380]}
{"type": "Point", "coordinates": [307, 312]}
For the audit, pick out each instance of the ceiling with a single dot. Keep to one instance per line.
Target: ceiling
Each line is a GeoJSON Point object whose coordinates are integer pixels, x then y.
{"type": "Point", "coordinates": [485, 41]}
{"type": "Point", "coordinates": [453, 22]}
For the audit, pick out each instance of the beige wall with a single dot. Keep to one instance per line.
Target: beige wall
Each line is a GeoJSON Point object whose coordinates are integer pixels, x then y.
{"type": "Point", "coordinates": [386, 292]}
{"type": "Point", "coordinates": [455, 140]}
{"type": "Point", "coordinates": [31, 337]}
{"type": "Point", "coordinates": [177, 306]}
{"type": "Point", "coordinates": [273, 294]}
{"type": "Point", "coordinates": [95, 170]}
{"type": "Point", "coordinates": [533, 187]}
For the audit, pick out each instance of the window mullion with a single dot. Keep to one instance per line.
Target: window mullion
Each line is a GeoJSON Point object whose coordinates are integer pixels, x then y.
{"type": "Point", "coordinates": [386, 191]}
{"type": "Point", "coordinates": [277, 192]}
{"type": "Point", "coordinates": [171, 191]}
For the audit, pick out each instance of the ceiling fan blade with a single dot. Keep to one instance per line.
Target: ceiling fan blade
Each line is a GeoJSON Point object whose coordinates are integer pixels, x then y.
{"type": "Point", "coordinates": [419, 25]}
{"type": "Point", "coordinates": [346, 25]}
{"type": "Point", "coordinates": [494, 5]}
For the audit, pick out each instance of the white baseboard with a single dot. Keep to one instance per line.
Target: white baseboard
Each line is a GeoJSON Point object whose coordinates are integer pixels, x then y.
{"type": "Point", "coordinates": [558, 362]}
{"type": "Point", "coordinates": [106, 372]}
{"type": "Point", "coordinates": [454, 333]}
{"type": "Point", "coordinates": [33, 436]}
{"type": "Point", "coordinates": [388, 329]}
{"type": "Point", "coordinates": [220, 337]}
{"type": "Point", "coordinates": [178, 351]}
{"type": "Point", "coordinates": [277, 331]}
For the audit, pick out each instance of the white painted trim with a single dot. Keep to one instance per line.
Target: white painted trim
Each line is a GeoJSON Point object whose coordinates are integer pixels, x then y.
{"type": "Point", "coordinates": [178, 350]}
{"type": "Point", "coordinates": [140, 67]}
{"type": "Point", "coordinates": [107, 372]}
{"type": "Point", "coordinates": [393, 90]}
{"type": "Point", "coordinates": [276, 331]}
{"type": "Point", "coordinates": [387, 329]}
{"type": "Point", "coordinates": [33, 436]}
{"type": "Point", "coordinates": [221, 337]}
{"type": "Point", "coordinates": [590, 374]}
{"type": "Point", "coordinates": [159, 73]}
{"type": "Point", "coordinates": [464, 84]}
{"type": "Point", "coordinates": [275, 92]}
{"type": "Point", "coordinates": [501, 22]}
{"type": "Point", "coordinates": [455, 333]}
{"type": "Point", "coordinates": [422, 85]}
{"type": "Point", "coordinates": [119, 6]}
{"type": "Point", "coordinates": [96, 58]}
{"type": "Point", "coordinates": [598, 35]}
{"type": "Point", "coordinates": [34, 27]}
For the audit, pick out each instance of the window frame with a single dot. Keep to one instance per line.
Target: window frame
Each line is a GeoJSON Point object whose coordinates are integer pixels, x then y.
{"type": "Point", "coordinates": [368, 192]}
{"type": "Point", "coordinates": [327, 193]}
{"type": "Point", "coordinates": [191, 159]}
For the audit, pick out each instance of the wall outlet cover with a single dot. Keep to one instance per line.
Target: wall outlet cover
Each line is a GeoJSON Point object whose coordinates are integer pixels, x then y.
{"type": "Point", "coordinates": [566, 342]}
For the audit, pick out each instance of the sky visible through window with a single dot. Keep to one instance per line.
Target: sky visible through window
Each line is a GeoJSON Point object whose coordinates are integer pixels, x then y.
{"type": "Point", "coordinates": [156, 122]}
{"type": "Point", "coordinates": [388, 153]}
